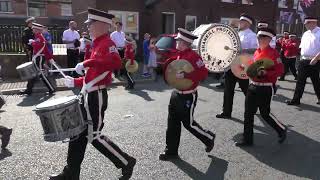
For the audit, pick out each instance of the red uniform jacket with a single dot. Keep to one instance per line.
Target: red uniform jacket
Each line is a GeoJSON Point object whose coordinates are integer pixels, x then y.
{"type": "Point", "coordinates": [200, 71]}
{"type": "Point", "coordinates": [104, 57]}
{"type": "Point", "coordinates": [273, 72]}
{"type": "Point", "coordinates": [38, 44]}
{"type": "Point", "coordinates": [129, 52]}
{"type": "Point", "coordinates": [291, 48]}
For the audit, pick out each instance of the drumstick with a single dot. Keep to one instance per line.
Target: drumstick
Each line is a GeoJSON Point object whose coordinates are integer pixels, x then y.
{"type": "Point", "coordinates": [63, 69]}
{"type": "Point", "coordinates": [61, 72]}
{"type": "Point", "coordinates": [229, 48]}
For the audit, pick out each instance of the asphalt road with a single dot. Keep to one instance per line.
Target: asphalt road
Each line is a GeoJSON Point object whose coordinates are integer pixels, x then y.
{"type": "Point", "coordinates": [136, 121]}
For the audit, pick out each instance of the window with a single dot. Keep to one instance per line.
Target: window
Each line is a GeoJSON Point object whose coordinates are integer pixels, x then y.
{"type": "Point", "coordinates": [5, 6]}
{"type": "Point", "coordinates": [228, 1]}
{"type": "Point", "coordinates": [37, 8]}
{"type": "Point", "coordinates": [191, 23]}
{"type": "Point", "coordinates": [130, 22]}
{"type": "Point", "coordinates": [66, 9]}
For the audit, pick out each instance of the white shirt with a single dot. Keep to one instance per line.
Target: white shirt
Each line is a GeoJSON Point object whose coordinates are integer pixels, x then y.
{"type": "Point", "coordinates": [69, 35]}
{"type": "Point", "coordinates": [310, 43]}
{"type": "Point", "coordinates": [273, 42]}
{"type": "Point", "coordinates": [248, 39]}
{"type": "Point", "coordinates": [119, 38]}
{"type": "Point", "coordinates": [82, 45]}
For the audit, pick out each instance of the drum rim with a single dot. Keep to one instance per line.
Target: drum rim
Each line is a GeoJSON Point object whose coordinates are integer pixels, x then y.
{"type": "Point", "coordinates": [233, 31]}
{"type": "Point", "coordinates": [59, 106]}
{"type": "Point", "coordinates": [29, 63]}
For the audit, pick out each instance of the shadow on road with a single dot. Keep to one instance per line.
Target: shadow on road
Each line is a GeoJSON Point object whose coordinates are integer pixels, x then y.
{"type": "Point", "coordinates": [142, 94]}
{"type": "Point", "coordinates": [216, 170]}
{"type": "Point", "coordinates": [34, 100]}
{"type": "Point", "coordinates": [299, 155]}
{"type": "Point", "coordinates": [4, 154]}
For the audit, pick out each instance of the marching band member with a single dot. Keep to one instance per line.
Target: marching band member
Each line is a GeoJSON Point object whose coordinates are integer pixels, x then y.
{"type": "Point", "coordinates": [290, 53]}
{"type": "Point", "coordinates": [309, 64]}
{"type": "Point", "coordinates": [40, 49]}
{"type": "Point", "coordinates": [248, 44]}
{"type": "Point", "coordinates": [259, 93]}
{"type": "Point", "coordinates": [264, 24]}
{"type": "Point", "coordinates": [103, 60]}
{"type": "Point", "coordinates": [183, 103]}
{"type": "Point", "coordinates": [129, 55]}
{"type": "Point", "coordinates": [28, 34]}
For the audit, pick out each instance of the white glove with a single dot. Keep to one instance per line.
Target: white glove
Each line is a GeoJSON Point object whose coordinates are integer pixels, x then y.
{"type": "Point", "coordinates": [69, 81]}
{"type": "Point", "coordinates": [79, 68]}
{"type": "Point", "coordinates": [31, 41]}
{"type": "Point", "coordinates": [180, 75]}
{"type": "Point", "coordinates": [51, 61]}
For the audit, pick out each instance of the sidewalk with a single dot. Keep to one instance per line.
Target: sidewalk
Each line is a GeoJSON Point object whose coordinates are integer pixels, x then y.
{"type": "Point", "coordinates": [14, 86]}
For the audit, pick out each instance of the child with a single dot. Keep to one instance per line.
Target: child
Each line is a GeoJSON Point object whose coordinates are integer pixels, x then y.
{"type": "Point", "coordinates": [152, 63]}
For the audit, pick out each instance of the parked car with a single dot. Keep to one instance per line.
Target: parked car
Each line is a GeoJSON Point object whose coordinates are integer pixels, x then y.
{"type": "Point", "coordinates": [166, 47]}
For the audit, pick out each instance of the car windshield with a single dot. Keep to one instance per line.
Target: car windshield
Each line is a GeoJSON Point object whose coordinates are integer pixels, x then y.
{"type": "Point", "coordinates": [165, 43]}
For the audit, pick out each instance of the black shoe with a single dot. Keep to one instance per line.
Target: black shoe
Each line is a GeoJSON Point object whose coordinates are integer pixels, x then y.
{"type": "Point", "coordinates": [243, 144]}
{"type": "Point", "coordinates": [60, 176]}
{"type": "Point", "coordinates": [127, 171]}
{"type": "Point", "coordinates": [223, 116]}
{"type": "Point", "coordinates": [51, 92]}
{"type": "Point", "coordinates": [281, 79]}
{"type": "Point", "coordinates": [210, 147]}
{"type": "Point", "coordinates": [6, 138]}
{"type": "Point", "coordinates": [220, 86]}
{"type": "Point", "coordinates": [283, 136]}
{"type": "Point", "coordinates": [292, 102]}
{"type": "Point", "coordinates": [25, 92]}
{"type": "Point", "coordinates": [168, 157]}
{"type": "Point", "coordinates": [296, 78]}
{"type": "Point", "coordinates": [318, 102]}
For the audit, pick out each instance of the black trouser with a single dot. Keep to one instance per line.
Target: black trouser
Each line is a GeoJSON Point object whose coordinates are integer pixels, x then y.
{"type": "Point", "coordinates": [259, 97]}
{"type": "Point", "coordinates": [181, 109]}
{"type": "Point", "coordinates": [98, 102]}
{"type": "Point", "coordinates": [39, 63]}
{"type": "Point", "coordinates": [289, 63]}
{"type": "Point", "coordinates": [306, 70]}
{"type": "Point", "coordinates": [128, 77]}
{"type": "Point", "coordinates": [81, 56]}
{"type": "Point", "coordinates": [73, 58]}
{"type": "Point", "coordinates": [121, 54]}
{"type": "Point", "coordinates": [230, 83]}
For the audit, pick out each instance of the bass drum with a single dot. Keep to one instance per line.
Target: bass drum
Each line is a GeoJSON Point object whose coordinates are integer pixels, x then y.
{"type": "Point", "coordinates": [218, 45]}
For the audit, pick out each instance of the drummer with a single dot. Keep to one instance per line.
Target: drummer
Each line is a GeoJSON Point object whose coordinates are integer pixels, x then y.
{"type": "Point", "coordinates": [183, 103]}
{"type": "Point", "coordinates": [40, 49]}
{"type": "Point", "coordinates": [265, 24]}
{"type": "Point", "coordinates": [103, 60]}
{"type": "Point", "coordinates": [248, 45]}
{"type": "Point", "coordinates": [260, 90]}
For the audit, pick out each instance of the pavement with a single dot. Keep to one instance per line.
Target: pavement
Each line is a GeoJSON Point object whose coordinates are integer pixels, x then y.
{"type": "Point", "coordinates": [14, 86]}
{"type": "Point", "coordinates": [136, 121]}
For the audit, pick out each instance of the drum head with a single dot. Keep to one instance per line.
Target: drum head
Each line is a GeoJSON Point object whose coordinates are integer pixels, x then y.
{"type": "Point", "coordinates": [56, 103]}
{"type": "Point", "coordinates": [219, 46]}
{"type": "Point", "coordinates": [24, 65]}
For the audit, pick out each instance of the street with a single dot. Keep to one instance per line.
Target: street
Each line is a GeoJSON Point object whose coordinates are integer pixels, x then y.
{"type": "Point", "coordinates": [136, 121]}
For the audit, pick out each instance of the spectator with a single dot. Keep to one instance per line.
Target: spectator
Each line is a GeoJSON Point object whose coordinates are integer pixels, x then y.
{"type": "Point", "coordinates": [152, 62]}
{"type": "Point", "coordinates": [85, 42]}
{"type": "Point", "coordinates": [28, 34]}
{"type": "Point", "coordinates": [119, 38]}
{"type": "Point", "coordinates": [146, 53]}
{"type": "Point", "coordinates": [71, 39]}
{"type": "Point", "coordinates": [47, 36]}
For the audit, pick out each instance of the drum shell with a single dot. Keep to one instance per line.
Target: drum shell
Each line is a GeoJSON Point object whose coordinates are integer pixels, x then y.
{"type": "Point", "coordinates": [63, 122]}
{"type": "Point", "coordinates": [27, 72]}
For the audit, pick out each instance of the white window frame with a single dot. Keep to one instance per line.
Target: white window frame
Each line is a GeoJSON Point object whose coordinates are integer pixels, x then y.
{"type": "Point", "coordinates": [7, 12]}
{"type": "Point", "coordinates": [124, 20]}
{"type": "Point", "coordinates": [191, 16]}
{"type": "Point", "coordinates": [174, 19]}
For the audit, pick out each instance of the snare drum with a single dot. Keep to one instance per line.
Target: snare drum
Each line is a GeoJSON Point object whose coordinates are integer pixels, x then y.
{"type": "Point", "coordinates": [27, 71]}
{"type": "Point", "coordinates": [61, 118]}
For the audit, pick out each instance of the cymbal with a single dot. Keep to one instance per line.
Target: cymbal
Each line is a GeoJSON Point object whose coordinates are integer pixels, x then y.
{"type": "Point", "coordinates": [240, 65]}
{"type": "Point", "coordinates": [132, 67]}
{"type": "Point", "coordinates": [264, 63]}
{"type": "Point", "coordinates": [179, 66]}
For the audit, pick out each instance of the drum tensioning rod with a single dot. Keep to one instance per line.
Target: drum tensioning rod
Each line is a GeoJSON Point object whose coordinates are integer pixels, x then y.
{"type": "Point", "coordinates": [229, 48]}
{"type": "Point", "coordinates": [63, 69]}
{"type": "Point", "coordinates": [59, 70]}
